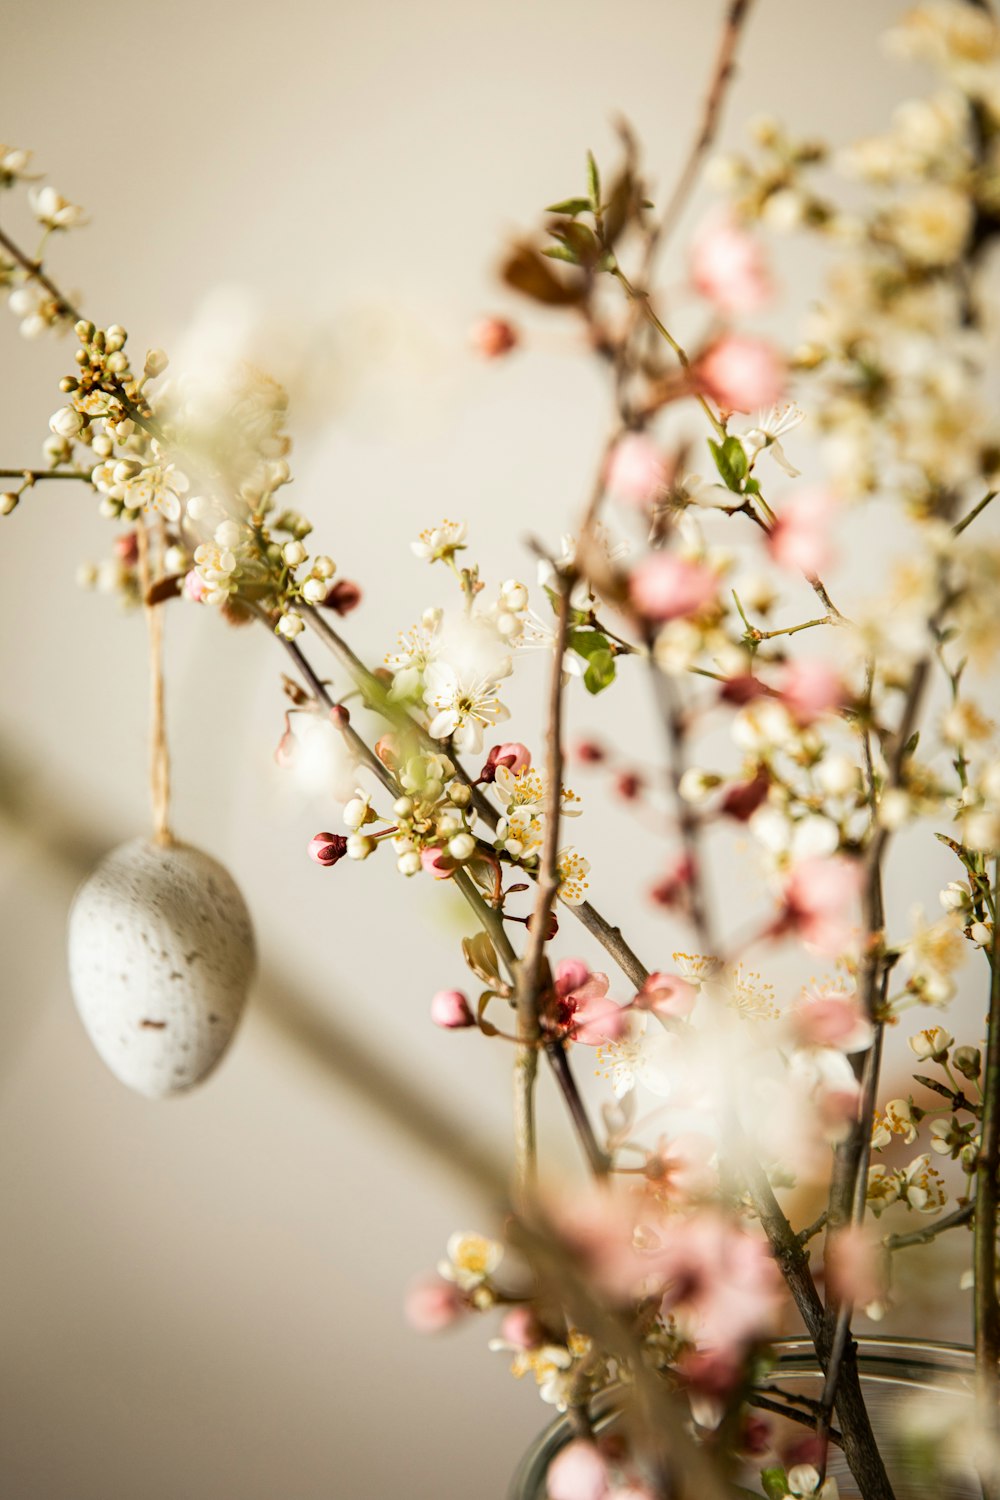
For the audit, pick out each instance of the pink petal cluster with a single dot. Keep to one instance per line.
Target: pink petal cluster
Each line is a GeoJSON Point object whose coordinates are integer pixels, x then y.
{"type": "Point", "coordinates": [520, 1329]}
{"type": "Point", "coordinates": [433, 1305]}
{"type": "Point", "coordinates": [727, 266]}
{"type": "Point", "coordinates": [830, 1018]}
{"type": "Point", "coordinates": [740, 373]}
{"type": "Point", "coordinates": [578, 1473]}
{"type": "Point", "coordinates": [684, 1168]}
{"type": "Point", "coordinates": [583, 1009]}
{"type": "Point", "coordinates": [636, 472]}
{"type": "Point", "coordinates": [667, 995]}
{"type": "Point", "coordinates": [665, 587]}
{"type": "Point", "coordinates": [450, 1009]}
{"type": "Point", "coordinates": [721, 1282]}
{"type": "Point", "coordinates": [437, 863]}
{"type": "Point", "coordinates": [810, 689]}
{"type": "Point", "coordinates": [820, 897]}
{"type": "Point", "coordinates": [800, 538]}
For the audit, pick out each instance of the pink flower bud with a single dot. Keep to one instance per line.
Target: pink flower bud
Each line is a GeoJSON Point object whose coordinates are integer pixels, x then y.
{"type": "Point", "coordinates": [342, 597]}
{"type": "Point", "coordinates": [387, 750]}
{"type": "Point", "coordinates": [588, 753]}
{"type": "Point", "coordinates": [327, 848]}
{"type": "Point", "coordinates": [521, 1329]}
{"type": "Point", "coordinates": [340, 716]}
{"type": "Point", "coordinates": [437, 863]}
{"type": "Point", "coordinates": [636, 472]}
{"type": "Point", "coordinates": [741, 690]}
{"type": "Point", "coordinates": [433, 1305]}
{"type": "Point", "coordinates": [450, 1009]}
{"type": "Point", "coordinates": [514, 756]}
{"type": "Point", "coordinates": [741, 373]}
{"type": "Point", "coordinates": [628, 785]}
{"type": "Point", "coordinates": [665, 587]}
{"type": "Point", "coordinates": [493, 337]}
{"type": "Point", "coordinates": [284, 755]}
{"type": "Point", "coordinates": [194, 588]}
{"type": "Point", "coordinates": [577, 1473]}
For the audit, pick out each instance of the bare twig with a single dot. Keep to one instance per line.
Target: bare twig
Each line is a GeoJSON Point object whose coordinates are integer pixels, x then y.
{"type": "Point", "coordinates": [930, 1232]}
{"type": "Point", "coordinates": [37, 272]}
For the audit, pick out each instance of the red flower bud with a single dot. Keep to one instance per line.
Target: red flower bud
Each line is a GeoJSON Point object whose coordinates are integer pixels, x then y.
{"type": "Point", "coordinates": [342, 597]}
{"type": "Point", "coordinates": [493, 337]}
{"type": "Point", "coordinates": [450, 1009]}
{"type": "Point", "coordinates": [327, 848]}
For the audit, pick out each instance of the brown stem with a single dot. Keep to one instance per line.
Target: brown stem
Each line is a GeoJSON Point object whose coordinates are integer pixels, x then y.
{"type": "Point", "coordinates": [37, 273]}
{"type": "Point", "coordinates": [930, 1232]}
{"type": "Point", "coordinates": [986, 1310]}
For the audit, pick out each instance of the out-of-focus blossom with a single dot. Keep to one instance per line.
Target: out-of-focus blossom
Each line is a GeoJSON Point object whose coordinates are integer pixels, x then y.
{"type": "Point", "coordinates": [493, 337]}
{"type": "Point", "coordinates": [432, 1305]}
{"type": "Point", "coordinates": [667, 995]}
{"type": "Point", "coordinates": [800, 538]}
{"type": "Point", "coordinates": [665, 587]}
{"type": "Point", "coordinates": [740, 373]}
{"type": "Point", "coordinates": [728, 267]}
{"type": "Point", "coordinates": [471, 1259]}
{"type": "Point", "coordinates": [830, 1018]}
{"type": "Point", "coordinates": [820, 897]}
{"type": "Point", "coordinates": [577, 1473]}
{"type": "Point", "coordinates": [810, 688]}
{"type": "Point", "coordinates": [636, 472]}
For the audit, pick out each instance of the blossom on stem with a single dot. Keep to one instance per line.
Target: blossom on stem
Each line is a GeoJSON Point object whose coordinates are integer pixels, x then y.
{"type": "Point", "coordinates": [820, 897]}
{"type": "Point", "coordinates": [583, 1011]}
{"type": "Point", "coordinates": [466, 706]}
{"type": "Point", "coordinates": [471, 1259]}
{"type": "Point", "coordinates": [635, 471]}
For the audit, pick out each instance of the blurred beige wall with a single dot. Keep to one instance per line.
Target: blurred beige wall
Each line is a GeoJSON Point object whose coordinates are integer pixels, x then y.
{"type": "Point", "coordinates": [202, 1298]}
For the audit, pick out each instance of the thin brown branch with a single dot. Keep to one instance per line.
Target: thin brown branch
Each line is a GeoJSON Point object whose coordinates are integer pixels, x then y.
{"type": "Point", "coordinates": [930, 1232]}
{"type": "Point", "coordinates": [984, 1255]}
{"type": "Point", "coordinates": [36, 271]}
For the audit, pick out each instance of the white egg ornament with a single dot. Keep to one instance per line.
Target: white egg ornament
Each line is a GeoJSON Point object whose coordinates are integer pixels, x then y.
{"type": "Point", "coordinates": [161, 955]}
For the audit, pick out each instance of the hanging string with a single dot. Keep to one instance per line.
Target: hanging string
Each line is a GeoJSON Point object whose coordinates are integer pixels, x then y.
{"type": "Point", "coordinates": [159, 753]}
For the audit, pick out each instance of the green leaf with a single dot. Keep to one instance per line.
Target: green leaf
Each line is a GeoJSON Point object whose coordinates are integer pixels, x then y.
{"type": "Point", "coordinates": [619, 207]}
{"type": "Point", "coordinates": [600, 672]}
{"type": "Point", "coordinates": [731, 462]}
{"type": "Point", "coordinates": [570, 206]}
{"type": "Point", "coordinates": [562, 252]}
{"type": "Point", "coordinates": [774, 1483]}
{"type": "Point", "coordinates": [587, 643]}
{"type": "Point", "coordinates": [593, 183]}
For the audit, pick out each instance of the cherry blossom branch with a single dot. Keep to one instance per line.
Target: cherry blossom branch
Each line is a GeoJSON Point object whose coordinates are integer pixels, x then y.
{"type": "Point", "coordinates": [722, 75]}
{"type": "Point", "coordinates": [606, 933]}
{"type": "Point", "coordinates": [986, 1309]}
{"type": "Point", "coordinates": [929, 1232]}
{"type": "Point", "coordinates": [36, 272]}
{"type": "Point", "coordinates": [531, 974]}
{"type": "Point", "coordinates": [36, 476]}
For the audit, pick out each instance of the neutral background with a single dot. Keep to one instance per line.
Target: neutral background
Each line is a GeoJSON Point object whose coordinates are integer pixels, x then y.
{"type": "Point", "coordinates": [202, 1298]}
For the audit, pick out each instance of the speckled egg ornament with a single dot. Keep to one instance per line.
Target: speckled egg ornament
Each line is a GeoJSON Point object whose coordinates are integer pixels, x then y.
{"type": "Point", "coordinates": [161, 954]}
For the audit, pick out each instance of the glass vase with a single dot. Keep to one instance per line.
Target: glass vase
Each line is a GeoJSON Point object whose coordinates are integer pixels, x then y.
{"type": "Point", "coordinates": [918, 1395]}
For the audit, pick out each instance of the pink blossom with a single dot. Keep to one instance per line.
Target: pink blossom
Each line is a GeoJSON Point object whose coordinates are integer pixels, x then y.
{"type": "Point", "coordinates": [721, 1282]}
{"type": "Point", "coordinates": [327, 848]}
{"type": "Point", "coordinates": [387, 750]}
{"type": "Point", "coordinates": [820, 896]}
{"type": "Point", "coordinates": [127, 547]}
{"type": "Point", "coordinates": [437, 863]}
{"type": "Point", "coordinates": [583, 1009]}
{"type": "Point", "coordinates": [727, 266]}
{"type": "Point", "coordinates": [636, 472]}
{"type": "Point", "coordinates": [830, 1018]}
{"type": "Point", "coordinates": [665, 587]}
{"type": "Point", "coordinates": [514, 756]}
{"type": "Point", "coordinates": [577, 1473]}
{"type": "Point", "coordinates": [450, 1009]}
{"type": "Point", "coordinates": [741, 373]}
{"type": "Point", "coordinates": [432, 1305]}
{"type": "Point", "coordinates": [194, 586]}
{"type": "Point", "coordinates": [520, 1329]}
{"type": "Point", "coordinates": [493, 337]}
{"type": "Point", "coordinates": [811, 688]}
{"type": "Point", "coordinates": [667, 995]}
{"type": "Point", "coordinates": [800, 538]}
